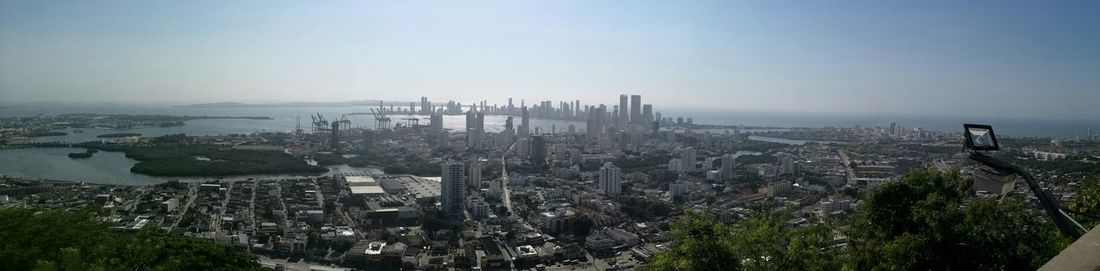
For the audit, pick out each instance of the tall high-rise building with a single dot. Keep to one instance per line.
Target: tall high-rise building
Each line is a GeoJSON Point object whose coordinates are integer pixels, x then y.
{"type": "Point", "coordinates": [687, 159]}
{"type": "Point", "coordinates": [452, 188]}
{"type": "Point", "coordinates": [729, 162]}
{"type": "Point", "coordinates": [524, 122]}
{"type": "Point", "coordinates": [610, 178]}
{"type": "Point", "coordinates": [623, 108]}
{"type": "Point", "coordinates": [647, 113]}
{"type": "Point", "coordinates": [425, 106]}
{"type": "Point", "coordinates": [615, 114]}
{"type": "Point", "coordinates": [474, 173]}
{"type": "Point", "coordinates": [635, 107]}
{"type": "Point", "coordinates": [474, 138]}
{"type": "Point", "coordinates": [479, 121]}
{"type": "Point", "coordinates": [787, 164]}
{"type": "Point", "coordinates": [538, 150]}
{"type": "Point", "coordinates": [437, 123]}
{"type": "Point", "coordinates": [471, 119]}
{"type": "Point", "coordinates": [441, 141]}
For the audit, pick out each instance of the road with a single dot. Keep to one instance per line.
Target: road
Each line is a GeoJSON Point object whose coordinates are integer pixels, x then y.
{"type": "Point", "coordinates": [507, 197]}
{"type": "Point", "coordinates": [847, 165]}
{"type": "Point", "coordinates": [192, 190]}
{"type": "Point", "coordinates": [217, 222]}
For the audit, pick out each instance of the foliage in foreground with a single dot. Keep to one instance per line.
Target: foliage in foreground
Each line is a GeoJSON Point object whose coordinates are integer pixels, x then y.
{"type": "Point", "coordinates": [1086, 204]}
{"type": "Point", "coordinates": [761, 242]}
{"type": "Point", "coordinates": [59, 240]}
{"type": "Point", "coordinates": [925, 221]}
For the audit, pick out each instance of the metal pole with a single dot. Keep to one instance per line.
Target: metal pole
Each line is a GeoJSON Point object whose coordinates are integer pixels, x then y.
{"type": "Point", "coordinates": [1065, 223]}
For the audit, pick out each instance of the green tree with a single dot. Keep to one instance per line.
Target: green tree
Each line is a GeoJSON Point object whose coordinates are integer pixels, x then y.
{"type": "Point", "coordinates": [702, 243]}
{"type": "Point", "coordinates": [58, 240]}
{"type": "Point", "coordinates": [761, 242]}
{"type": "Point", "coordinates": [1086, 204]}
{"type": "Point", "coordinates": [764, 242]}
{"type": "Point", "coordinates": [926, 221]}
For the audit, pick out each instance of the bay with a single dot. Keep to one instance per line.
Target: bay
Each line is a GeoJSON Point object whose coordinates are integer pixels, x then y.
{"type": "Point", "coordinates": [105, 168]}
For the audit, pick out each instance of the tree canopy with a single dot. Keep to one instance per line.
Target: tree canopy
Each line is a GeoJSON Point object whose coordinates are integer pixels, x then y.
{"type": "Point", "coordinates": [60, 240]}
{"type": "Point", "coordinates": [927, 220]}
{"type": "Point", "coordinates": [761, 242]}
{"type": "Point", "coordinates": [1086, 204]}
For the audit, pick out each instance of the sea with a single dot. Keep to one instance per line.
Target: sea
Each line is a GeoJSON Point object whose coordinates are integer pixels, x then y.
{"type": "Point", "coordinates": [113, 168]}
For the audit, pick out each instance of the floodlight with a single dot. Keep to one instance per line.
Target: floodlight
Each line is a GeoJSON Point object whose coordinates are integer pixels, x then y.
{"type": "Point", "coordinates": [980, 137]}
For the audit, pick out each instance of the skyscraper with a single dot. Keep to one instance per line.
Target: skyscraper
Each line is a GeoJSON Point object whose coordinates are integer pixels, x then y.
{"type": "Point", "coordinates": [538, 150]}
{"type": "Point", "coordinates": [623, 108]}
{"type": "Point", "coordinates": [577, 107]}
{"type": "Point", "coordinates": [647, 113]}
{"type": "Point", "coordinates": [425, 106]}
{"type": "Point", "coordinates": [475, 173]}
{"type": "Point", "coordinates": [452, 189]}
{"type": "Point", "coordinates": [524, 122]}
{"type": "Point", "coordinates": [474, 137]}
{"type": "Point", "coordinates": [479, 121]}
{"type": "Point", "coordinates": [471, 119]}
{"type": "Point", "coordinates": [729, 161]}
{"type": "Point", "coordinates": [616, 115]}
{"type": "Point", "coordinates": [788, 164]}
{"type": "Point", "coordinates": [610, 178]}
{"type": "Point", "coordinates": [437, 123]}
{"type": "Point", "coordinates": [635, 107]}
{"type": "Point", "coordinates": [687, 159]}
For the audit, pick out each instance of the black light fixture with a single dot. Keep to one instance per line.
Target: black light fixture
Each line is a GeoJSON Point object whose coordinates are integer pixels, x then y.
{"type": "Point", "coordinates": [980, 137]}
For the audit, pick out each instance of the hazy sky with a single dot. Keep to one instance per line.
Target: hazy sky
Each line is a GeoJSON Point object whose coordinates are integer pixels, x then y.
{"type": "Point", "coordinates": [1039, 59]}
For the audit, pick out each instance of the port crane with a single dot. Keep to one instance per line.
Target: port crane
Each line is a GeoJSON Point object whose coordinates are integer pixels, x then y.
{"type": "Point", "coordinates": [381, 121]}
{"type": "Point", "coordinates": [320, 124]}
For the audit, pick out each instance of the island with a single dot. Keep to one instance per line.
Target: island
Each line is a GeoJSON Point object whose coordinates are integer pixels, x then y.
{"type": "Point", "coordinates": [165, 158]}
{"type": "Point", "coordinates": [51, 125]}
{"type": "Point", "coordinates": [47, 133]}
{"type": "Point", "coordinates": [118, 135]}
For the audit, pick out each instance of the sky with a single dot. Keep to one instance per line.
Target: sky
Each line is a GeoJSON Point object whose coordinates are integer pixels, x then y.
{"type": "Point", "coordinates": [1034, 59]}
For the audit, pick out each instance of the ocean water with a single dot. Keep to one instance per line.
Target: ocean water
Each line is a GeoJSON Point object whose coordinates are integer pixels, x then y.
{"type": "Point", "coordinates": [286, 119]}
{"type": "Point", "coordinates": [1066, 129]}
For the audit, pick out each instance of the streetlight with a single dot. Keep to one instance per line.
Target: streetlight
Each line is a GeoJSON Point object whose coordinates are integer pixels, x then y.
{"type": "Point", "coordinates": [980, 138]}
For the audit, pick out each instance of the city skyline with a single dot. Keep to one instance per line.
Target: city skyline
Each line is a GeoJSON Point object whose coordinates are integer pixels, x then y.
{"type": "Point", "coordinates": [1013, 59]}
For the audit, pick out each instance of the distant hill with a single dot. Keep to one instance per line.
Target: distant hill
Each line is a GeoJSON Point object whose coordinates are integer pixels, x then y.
{"type": "Point", "coordinates": [297, 104]}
